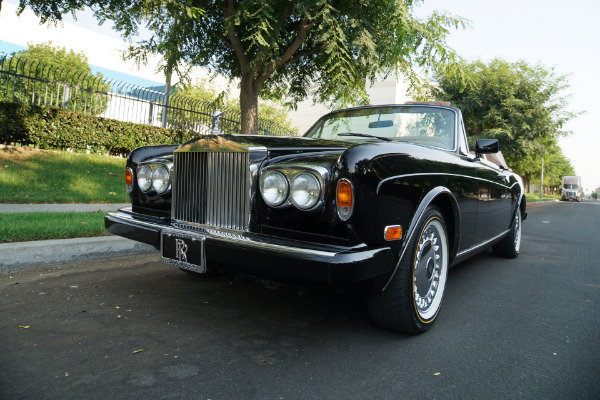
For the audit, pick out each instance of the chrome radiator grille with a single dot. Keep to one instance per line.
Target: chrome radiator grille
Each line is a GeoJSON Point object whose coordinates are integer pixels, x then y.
{"type": "Point", "coordinates": [211, 189]}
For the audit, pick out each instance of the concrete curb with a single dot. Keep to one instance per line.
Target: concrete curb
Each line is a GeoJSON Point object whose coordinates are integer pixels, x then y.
{"type": "Point", "coordinates": [20, 255]}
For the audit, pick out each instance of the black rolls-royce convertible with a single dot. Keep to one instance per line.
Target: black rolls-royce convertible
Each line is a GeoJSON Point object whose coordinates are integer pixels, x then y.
{"type": "Point", "coordinates": [380, 199]}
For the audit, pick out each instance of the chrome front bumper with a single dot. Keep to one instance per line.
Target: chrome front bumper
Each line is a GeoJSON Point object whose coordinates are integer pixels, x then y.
{"type": "Point", "coordinates": [267, 257]}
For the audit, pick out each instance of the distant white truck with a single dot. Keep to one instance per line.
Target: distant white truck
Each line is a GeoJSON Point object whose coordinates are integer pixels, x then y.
{"type": "Point", "coordinates": [571, 188]}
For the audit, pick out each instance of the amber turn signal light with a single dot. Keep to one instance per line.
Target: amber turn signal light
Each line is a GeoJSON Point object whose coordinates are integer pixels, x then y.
{"type": "Point", "coordinates": [393, 232]}
{"type": "Point", "coordinates": [344, 199]}
{"type": "Point", "coordinates": [344, 193]}
{"type": "Point", "coordinates": [128, 176]}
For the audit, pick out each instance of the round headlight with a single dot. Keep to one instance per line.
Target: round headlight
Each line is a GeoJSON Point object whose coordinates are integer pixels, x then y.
{"type": "Point", "coordinates": [274, 188]}
{"type": "Point", "coordinates": [160, 179]}
{"type": "Point", "coordinates": [144, 178]}
{"type": "Point", "coordinates": [306, 191]}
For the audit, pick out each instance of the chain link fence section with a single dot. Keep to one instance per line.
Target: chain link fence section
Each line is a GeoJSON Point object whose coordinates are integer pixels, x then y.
{"type": "Point", "coordinates": [32, 82]}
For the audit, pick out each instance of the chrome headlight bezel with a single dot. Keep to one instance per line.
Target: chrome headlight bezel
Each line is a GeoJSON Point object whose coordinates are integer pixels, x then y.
{"type": "Point", "coordinates": [144, 177]}
{"type": "Point", "coordinates": [299, 184]}
{"type": "Point", "coordinates": [161, 179]}
{"type": "Point", "coordinates": [282, 192]}
{"type": "Point", "coordinates": [291, 172]}
{"type": "Point", "coordinates": [149, 180]}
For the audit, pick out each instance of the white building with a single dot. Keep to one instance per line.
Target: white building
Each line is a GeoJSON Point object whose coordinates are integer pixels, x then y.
{"type": "Point", "coordinates": [384, 91]}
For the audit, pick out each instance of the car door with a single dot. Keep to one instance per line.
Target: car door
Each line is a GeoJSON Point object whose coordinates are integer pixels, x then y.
{"type": "Point", "coordinates": [493, 201]}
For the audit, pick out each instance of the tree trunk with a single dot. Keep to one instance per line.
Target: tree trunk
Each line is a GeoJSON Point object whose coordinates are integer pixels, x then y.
{"type": "Point", "coordinates": [249, 91]}
{"type": "Point", "coordinates": [165, 111]}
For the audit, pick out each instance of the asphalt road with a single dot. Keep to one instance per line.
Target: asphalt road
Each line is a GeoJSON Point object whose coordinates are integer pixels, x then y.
{"type": "Point", "coordinates": [137, 329]}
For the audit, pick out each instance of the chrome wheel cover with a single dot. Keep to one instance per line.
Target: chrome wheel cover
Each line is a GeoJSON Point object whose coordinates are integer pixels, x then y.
{"type": "Point", "coordinates": [430, 270]}
{"type": "Point", "coordinates": [517, 231]}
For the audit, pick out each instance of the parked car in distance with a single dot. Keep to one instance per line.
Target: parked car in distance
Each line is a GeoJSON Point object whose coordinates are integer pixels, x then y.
{"type": "Point", "coordinates": [377, 199]}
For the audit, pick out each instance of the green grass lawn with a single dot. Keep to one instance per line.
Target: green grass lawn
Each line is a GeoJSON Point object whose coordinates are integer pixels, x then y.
{"type": "Point", "coordinates": [546, 197]}
{"type": "Point", "coordinates": [19, 227]}
{"type": "Point", "coordinates": [42, 176]}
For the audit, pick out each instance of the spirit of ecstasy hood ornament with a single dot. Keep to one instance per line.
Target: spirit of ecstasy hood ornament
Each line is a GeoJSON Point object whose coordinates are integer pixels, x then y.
{"type": "Point", "coordinates": [215, 122]}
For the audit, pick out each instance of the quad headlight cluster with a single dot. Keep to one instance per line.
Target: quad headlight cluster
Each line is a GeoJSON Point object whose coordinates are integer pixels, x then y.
{"type": "Point", "coordinates": [154, 176]}
{"type": "Point", "coordinates": [302, 188]}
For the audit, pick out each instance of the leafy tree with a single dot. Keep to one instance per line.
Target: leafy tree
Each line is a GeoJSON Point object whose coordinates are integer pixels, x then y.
{"type": "Point", "coordinates": [282, 48]}
{"type": "Point", "coordinates": [206, 92]}
{"type": "Point", "coordinates": [46, 53]}
{"type": "Point", "coordinates": [277, 113]}
{"type": "Point", "coordinates": [556, 165]}
{"type": "Point", "coordinates": [46, 74]}
{"type": "Point", "coordinates": [521, 105]}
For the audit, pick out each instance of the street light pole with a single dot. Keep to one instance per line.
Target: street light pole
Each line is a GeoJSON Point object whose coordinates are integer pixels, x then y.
{"type": "Point", "coordinates": [542, 178]}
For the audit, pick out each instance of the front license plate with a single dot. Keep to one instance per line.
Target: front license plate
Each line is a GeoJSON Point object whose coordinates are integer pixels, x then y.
{"type": "Point", "coordinates": [183, 250]}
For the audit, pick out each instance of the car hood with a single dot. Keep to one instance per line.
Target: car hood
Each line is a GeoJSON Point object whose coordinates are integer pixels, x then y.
{"type": "Point", "coordinates": [275, 145]}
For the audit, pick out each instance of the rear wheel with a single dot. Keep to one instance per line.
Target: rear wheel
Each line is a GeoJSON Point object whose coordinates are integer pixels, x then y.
{"type": "Point", "coordinates": [511, 244]}
{"type": "Point", "coordinates": [412, 300]}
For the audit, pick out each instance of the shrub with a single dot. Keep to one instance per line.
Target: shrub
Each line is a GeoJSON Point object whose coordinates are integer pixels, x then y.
{"type": "Point", "coordinates": [53, 128]}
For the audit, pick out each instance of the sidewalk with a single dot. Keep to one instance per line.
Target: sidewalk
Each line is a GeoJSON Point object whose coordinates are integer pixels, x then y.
{"type": "Point", "coordinates": [21, 208]}
{"type": "Point", "coordinates": [19, 255]}
{"type": "Point", "coordinates": [532, 203]}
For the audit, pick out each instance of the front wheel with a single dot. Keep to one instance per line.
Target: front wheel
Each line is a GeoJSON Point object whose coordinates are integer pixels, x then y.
{"type": "Point", "coordinates": [412, 300]}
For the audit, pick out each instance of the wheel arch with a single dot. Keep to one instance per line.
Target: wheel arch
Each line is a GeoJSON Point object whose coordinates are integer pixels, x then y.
{"type": "Point", "coordinates": [451, 213]}
{"type": "Point", "coordinates": [444, 200]}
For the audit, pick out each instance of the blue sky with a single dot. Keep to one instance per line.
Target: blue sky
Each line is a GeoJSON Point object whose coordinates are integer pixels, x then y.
{"type": "Point", "coordinates": [558, 34]}
{"type": "Point", "coordinates": [87, 21]}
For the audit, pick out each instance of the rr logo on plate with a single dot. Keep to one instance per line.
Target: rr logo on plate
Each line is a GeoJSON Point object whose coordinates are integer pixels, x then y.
{"type": "Point", "coordinates": [181, 250]}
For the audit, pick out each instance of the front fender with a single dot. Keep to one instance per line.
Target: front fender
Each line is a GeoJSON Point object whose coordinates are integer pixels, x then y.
{"type": "Point", "coordinates": [443, 198]}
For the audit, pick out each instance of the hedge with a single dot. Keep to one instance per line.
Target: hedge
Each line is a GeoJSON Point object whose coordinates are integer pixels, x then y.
{"type": "Point", "coordinates": [54, 128]}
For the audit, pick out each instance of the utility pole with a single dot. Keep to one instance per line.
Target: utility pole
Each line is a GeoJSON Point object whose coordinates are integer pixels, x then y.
{"type": "Point", "coordinates": [542, 178]}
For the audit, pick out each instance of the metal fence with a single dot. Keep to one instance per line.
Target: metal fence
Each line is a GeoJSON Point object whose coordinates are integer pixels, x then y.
{"type": "Point", "coordinates": [32, 82]}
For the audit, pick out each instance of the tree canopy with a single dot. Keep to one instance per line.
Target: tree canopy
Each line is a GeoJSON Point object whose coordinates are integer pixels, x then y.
{"type": "Point", "coordinates": [556, 165]}
{"type": "Point", "coordinates": [42, 61]}
{"type": "Point", "coordinates": [282, 48]}
{"type": "Point", "coordinates": [205, 91]}
{"type": "Point", "coordinates": [521, 105]}
{"type": "Point", "coordinates": [47, 53]}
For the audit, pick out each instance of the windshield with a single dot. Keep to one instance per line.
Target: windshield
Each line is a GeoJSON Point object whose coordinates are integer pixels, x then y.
{"type": "Point", "coordinates": [570, 186]}
{"type": "Point", "coordinates": [430, 126]}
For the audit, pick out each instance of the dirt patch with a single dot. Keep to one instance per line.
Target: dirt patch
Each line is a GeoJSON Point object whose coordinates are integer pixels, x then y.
{"type": "Point", "coordinates": [20, 153]}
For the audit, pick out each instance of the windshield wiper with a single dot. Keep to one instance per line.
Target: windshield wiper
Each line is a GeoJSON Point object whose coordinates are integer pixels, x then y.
{"type": "Point", "coordinates": [387, 139]}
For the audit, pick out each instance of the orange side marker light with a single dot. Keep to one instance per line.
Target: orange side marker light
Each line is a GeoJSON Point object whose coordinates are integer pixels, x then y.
{"type": "Point", "coordinates": [393, 232]}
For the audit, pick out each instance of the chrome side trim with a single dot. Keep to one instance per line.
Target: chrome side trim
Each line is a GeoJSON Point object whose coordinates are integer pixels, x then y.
{"type": "Point", "coordinates": [440, 174]}
{"type": "Point", "coordinates": [227, 238]}
{"type": "Point", "coordinates": [483, 244]}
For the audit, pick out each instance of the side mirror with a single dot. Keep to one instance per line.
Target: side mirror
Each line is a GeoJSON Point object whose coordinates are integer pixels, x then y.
{"type": "Point", "coordinates": [485, 146]}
